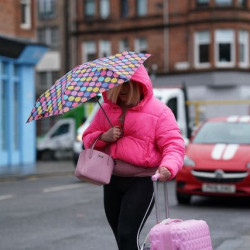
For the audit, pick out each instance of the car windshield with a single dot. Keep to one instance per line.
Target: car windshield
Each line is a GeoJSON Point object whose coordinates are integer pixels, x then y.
{"type": "Point", "coordinates": [224, 132]}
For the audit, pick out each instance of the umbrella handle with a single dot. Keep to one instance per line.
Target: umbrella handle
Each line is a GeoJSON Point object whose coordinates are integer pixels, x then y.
{"type": "Point", "coordinates": [104, 113]}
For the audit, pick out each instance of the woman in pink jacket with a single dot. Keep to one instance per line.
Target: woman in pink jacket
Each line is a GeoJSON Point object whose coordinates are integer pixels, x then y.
{"type": "Point", "coordinates": [146, 136]}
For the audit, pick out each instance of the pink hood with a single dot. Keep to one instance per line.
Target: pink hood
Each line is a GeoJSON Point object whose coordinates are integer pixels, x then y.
{"type": "Point", "coordinates": [151, 136]}
{"type": "Point", "coordinates": [141, 77]}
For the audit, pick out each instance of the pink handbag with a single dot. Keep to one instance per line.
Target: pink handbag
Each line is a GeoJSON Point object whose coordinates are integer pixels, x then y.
{"type": "Point", "coordinates": [94, 166]}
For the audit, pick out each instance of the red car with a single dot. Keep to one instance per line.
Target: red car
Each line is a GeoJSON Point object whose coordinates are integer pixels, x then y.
{"type": "Point", "coordinates": [217, 161]}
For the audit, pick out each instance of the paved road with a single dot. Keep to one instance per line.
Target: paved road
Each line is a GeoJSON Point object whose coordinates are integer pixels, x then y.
{"type": "Point", "coordinates": [62, 213]}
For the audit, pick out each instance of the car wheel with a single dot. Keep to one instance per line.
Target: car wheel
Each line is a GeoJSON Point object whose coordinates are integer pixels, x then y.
{"type": "Point", "coordinates": [47, 155]}
{"type": "Point", "coordinates": [183, 198]}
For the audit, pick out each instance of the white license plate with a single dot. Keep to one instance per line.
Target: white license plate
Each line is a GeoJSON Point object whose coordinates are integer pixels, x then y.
{"type": "Point", "coordinates": [218, 188]}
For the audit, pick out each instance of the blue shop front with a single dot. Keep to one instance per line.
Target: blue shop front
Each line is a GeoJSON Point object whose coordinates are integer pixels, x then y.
{"type": "Point", "coordinates": [17, 97]}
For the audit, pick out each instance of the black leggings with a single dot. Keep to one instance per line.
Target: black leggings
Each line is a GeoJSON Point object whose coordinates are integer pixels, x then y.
{"type": "Point", "coordinates": [126, 200]}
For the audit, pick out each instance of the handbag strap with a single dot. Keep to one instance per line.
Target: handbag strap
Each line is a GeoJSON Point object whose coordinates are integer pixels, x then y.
{"type": "Point", "coordinates": [92, 149]}
{"type": "Point", "coordinates": [94, 143]}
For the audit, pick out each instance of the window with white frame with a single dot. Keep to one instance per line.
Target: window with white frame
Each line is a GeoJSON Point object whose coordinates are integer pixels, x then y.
{"type": "Point", "coordinates": [89, 51]}
{"type": "Point", "coordinates": [224, 48]}
{"type": "Point", "coordinates": [46, 79]}
{"type": "Point", "coordinates": [49, 36]}
{"type": "Point", "coordinates": [123, 45]}
{"type": "Point", "coordinates": [104, 8]}
{"type": "Point", "coordinates": [25, 14]}
{"type": "Point", "coordinates": [243, 45]}
{"type": "Point", "coordinates": [104, 48]}
{"type": "Point", "coordinates": [201, 3]}
{"type": "Point", "coordinates": [46, 8]}
{"type": "Point", "coordinates": [223, 2]}
{"type": "Point", "coordinates": [141, 45]}
{"type": "Point", "coordinates": [141, 7]}
{"type": "Point", "coordinates": [89, 8]}
{"type": "Point", "coordinates": [202, 48]}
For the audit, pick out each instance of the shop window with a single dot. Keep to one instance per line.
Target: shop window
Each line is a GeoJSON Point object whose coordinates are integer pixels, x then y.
{"type": "Point", "coordinates": [224, 48]}
{"type": "Point", "coordinates": [104, 48]}
{"type": "Point", "coordinates": [124, 8]}
{"type": "Point", "coordinates": [89, 51]}
{"type": "Point", "coordinates": [3, 105]}
{"type": "Point", "coordinates": [46, 9]}
{"type": "Point", "coordinates": [9, 106]}
{"type": "Point", "coordinates": [89, 9]}
{"type": "Point", "coordinates": [243, 46]}
{"type": "Point", "coordinates": [3, 113]}
{"type": "Point", "coordinates": [25, 14]}
{"type": "Point", "coordinates": [141, 7]}
{"type": "Point", "coordinates": [16, 106]}
{"type": "Point", "coordinates": [202, 3]}
{"type": "Point", "coordinates": [104, 9]}
{"type": "Point", "coordinates": [202, 49]}
{"type": "Point", "coordinates": [223, 2]}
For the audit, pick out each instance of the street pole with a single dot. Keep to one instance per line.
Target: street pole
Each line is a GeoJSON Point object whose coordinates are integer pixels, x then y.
{"type": "Point", "coordinates": [165, 35]}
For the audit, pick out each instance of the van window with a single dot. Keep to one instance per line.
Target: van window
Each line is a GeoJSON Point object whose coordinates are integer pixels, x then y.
{"type": "Point", "coordinates": [172, 104]}
{"type": "Point", "coordinates": [63, 129]}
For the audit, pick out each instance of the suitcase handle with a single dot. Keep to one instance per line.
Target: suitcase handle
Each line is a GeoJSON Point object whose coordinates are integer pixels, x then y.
{"type": "Point", "coordinates": [155, 179]}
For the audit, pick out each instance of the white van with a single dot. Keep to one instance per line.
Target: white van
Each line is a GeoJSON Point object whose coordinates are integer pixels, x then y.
{"type": "Point", "coordinates": [174, 98]}
{"type": "Point", "coordinates": [57, 141]}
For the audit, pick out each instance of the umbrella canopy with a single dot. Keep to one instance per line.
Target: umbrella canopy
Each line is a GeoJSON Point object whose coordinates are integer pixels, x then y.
{"type": "Point", "coordinates": [86, 81]}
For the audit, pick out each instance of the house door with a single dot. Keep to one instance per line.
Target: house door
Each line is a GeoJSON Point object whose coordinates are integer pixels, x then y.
{"type": "Point", "coordinates": [9, 114]}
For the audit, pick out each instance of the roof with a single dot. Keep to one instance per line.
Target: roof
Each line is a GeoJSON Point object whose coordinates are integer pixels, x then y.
{"type": "Point", "coordinates": [13, 47]}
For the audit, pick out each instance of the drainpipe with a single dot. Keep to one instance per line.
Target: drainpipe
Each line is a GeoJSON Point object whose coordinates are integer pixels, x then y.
{"type": "Point", "coordinates": [66, 36]}
{"type": "Point", "coordinates": [165, 35]}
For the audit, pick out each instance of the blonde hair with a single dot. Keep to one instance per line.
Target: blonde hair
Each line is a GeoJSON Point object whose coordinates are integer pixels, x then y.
{"type": "Point", "coordinates": [134, 95]}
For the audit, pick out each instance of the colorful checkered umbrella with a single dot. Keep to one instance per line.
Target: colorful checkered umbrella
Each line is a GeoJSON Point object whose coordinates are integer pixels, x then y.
{"type": "Point", "coordinates": [86, 81]}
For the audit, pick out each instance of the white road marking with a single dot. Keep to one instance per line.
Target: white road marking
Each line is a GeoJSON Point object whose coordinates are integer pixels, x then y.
{"type": "Point", "coordinates": [245, 118]}
{"type": "Point", "coordinates": [62, 188]}
{"type": "Point", "coordinates": [230, 151]}
{"type": "Point", "coordinates": [233, 118]}
{"type": "Point", "coordinates": [217, 151]}
{"type": "Point", "coordinates": [6, 197]}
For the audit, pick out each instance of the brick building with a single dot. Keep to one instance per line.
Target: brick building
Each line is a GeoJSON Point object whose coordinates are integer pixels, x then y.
{"type": "Point", "coordinates": [51, 29]}
{"type": "Point", "coordinates": [18, 55]}
{"type": "Point", "coordinates": [202, 43]}
{"type": "Point", "coordinates": [16, 19]}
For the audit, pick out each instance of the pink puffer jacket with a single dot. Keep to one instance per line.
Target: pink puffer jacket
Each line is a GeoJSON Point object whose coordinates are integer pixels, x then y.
{"type": "Point", "coordinates": [151, 136]}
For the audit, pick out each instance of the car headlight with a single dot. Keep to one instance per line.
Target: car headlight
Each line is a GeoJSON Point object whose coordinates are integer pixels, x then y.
{"type": "Point", "coordinates": [189, 162]}
{"type": "Point", "coordinates": [79, 137]}
{"type": "Point", "coordinates": [248, 165]}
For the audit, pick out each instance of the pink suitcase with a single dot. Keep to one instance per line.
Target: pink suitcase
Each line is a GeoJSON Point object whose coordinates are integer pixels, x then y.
{"type": "Point", "coordinates": [176, 234]}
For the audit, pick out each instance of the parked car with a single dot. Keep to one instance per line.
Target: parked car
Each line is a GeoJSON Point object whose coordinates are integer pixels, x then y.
{"type": "Point", "coordinates": [217, 161]}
